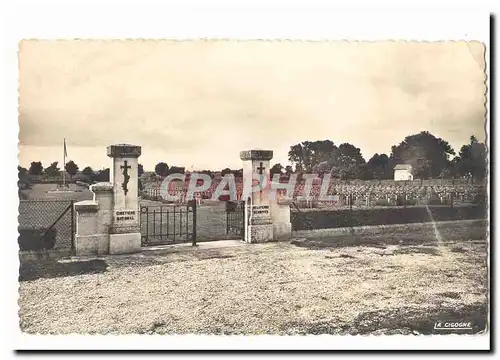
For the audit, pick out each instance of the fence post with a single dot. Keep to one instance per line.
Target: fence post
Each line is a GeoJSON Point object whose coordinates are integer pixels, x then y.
{"type": "Point", "coordinates": [194, 222]}
{"type": "Point", "coordinates": [351, 220]}
{"type": "Point", "coordinates": [227, 217]}
{"type": "Point", "coordinates": [73, 249]}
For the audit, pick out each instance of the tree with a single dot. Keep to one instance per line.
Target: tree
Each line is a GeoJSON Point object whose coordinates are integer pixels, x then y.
{"type": "Point", "coordinates": [455, 166]}
{"type": "Point", "coordinates": [53, 169]}
{"type": "Point", "coordinates": [161, 169]}
{"type": "Point", "coordinates": [288, 170]}
{"type": "Point", "coordinates": [427, 154]}
{"type": "Point", "coordinates": [36, 168]}
{"type": "Point", "coordinates": [344, 161]}
{"type": "Point", "coordinates": [225, 171]}
{"type": "Point", "coordinates": [445, 173]}
{"type": "Point", "coordinates": [71, 168]}
{"type": "Point", "coordinates": [140, 169]}
{"type": "Point", "coordinates": [101, 175]}
{"type": "Point", "coordinates": [308, 154]}
{"type": "Point", "coordinates": [378, 167]}
{"type": "Point", "coordinates": [348, 162]}
{"type": "Point", "coordinates": [207, 172]}
{"type": "Point", "coordinates": [365, 172]}
{"type": "Point", "coordinates": [21, 172]}
{"type": "Point", "coordinates": [472, 160]}
{"type": "Point", "coordinates": [87, 171]}
{"type": "Point", "coordinates": [238, 173]}
{"type": "Point", "coordinates": [276, 169]}
{"type": "Point", "coordinates": [176, 170]}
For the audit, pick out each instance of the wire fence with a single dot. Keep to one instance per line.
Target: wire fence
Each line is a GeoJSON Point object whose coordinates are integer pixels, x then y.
{"type": "Point", "coordinates": [46, 225]}
{"type": "Point", "coordinates": [402, 198]}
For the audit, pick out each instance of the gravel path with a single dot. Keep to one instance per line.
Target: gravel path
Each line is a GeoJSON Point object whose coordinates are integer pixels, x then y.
{"type": "Point", "coordinates": [275, 288]}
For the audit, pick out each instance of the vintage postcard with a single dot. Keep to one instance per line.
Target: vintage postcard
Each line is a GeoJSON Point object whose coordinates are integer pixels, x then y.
{"type": "Point", "coordinates": [224, 187]}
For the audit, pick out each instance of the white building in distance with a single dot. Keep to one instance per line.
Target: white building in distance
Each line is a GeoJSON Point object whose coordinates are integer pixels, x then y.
{"type": "Point", "coordinates": [402, 172]}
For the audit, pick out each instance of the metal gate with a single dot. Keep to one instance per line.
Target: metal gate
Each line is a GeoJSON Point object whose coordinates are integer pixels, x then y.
{"type": "Point", "coordinates": [235, 218]}
{"type": "Point", "coordinates": [168, 224]}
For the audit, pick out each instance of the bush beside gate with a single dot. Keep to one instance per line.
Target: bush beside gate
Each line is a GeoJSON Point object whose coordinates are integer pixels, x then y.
{"type": "Point", "coordinates": [37, 239]}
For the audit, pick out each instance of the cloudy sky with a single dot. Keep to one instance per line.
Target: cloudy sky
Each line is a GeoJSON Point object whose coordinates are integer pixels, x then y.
{"type": "Point", "coordinates": [198, 103]}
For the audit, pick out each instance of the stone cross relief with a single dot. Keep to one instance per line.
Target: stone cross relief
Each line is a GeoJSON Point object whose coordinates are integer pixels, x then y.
{"type": "Point", "coordinates": [126, 176]}
{"type": "Point", "coordinates": [261, 168]}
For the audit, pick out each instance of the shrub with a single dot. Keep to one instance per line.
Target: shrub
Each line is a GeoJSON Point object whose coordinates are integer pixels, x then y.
{"type": "Point", "coordinates": [479, 199]}
{"type": "Point", "coordinates": [383, 202]}
{"type": "Point", "coordinates": [33, 239]}
{"type": "Point", "coordinates": [307, 220]}
{"type": "Point", "coordinates": [406, 202]}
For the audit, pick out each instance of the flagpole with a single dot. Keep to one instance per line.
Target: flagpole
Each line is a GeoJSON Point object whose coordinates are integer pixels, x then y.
{"type": "Point", "coordinates": [64, 163]}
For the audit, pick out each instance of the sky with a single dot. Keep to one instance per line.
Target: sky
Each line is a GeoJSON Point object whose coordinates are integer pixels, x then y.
{"type": "Point", "coordinates": [199, 103]}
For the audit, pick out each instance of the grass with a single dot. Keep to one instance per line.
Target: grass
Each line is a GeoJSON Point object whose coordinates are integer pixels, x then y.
{"type": "Point", "coordinates": [273, 288]}
{"type": "Point", "coordinates": [43, 192]}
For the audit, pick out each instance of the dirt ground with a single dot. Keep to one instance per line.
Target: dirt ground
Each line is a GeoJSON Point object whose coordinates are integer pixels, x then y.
{"type": "Point", "coordinates": [274, 288]}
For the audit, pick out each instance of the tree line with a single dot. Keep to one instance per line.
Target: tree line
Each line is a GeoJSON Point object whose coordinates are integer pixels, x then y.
{"type": "Point", "coordinates": [53, 170]}
{"type": "Point", "coordinates": [162, 169]}
{"type": "Point", "coordinates": [429, 156]}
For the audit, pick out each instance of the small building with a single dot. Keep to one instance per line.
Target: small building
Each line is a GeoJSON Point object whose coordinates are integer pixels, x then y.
{"type": "Point", "coordinates": [402, 172]}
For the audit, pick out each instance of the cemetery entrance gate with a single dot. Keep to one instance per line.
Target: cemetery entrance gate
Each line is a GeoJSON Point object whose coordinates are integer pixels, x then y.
{"type": "Point", "coordinates": [174, 223]}
{"type": "Point", "coordinates": [168, 224]}
{"type": "Point", "coordinates": [235, 219]}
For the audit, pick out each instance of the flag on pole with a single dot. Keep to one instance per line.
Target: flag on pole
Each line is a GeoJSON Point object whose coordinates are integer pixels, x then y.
{"type": "Point", "coordinates": [64, 165]}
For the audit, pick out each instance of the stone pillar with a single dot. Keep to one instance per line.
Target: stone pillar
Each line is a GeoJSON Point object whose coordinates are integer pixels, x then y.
{"type": "Point", "coordinates": [93, 220]}
{"type": "Point", "coordinates": [258, 215]}
{"type": "Point", "coordinates": [86, 238]}
{"type": "Point", "coordinates": [125, 234]}
{"type": "Point", "coordinates": [280, 216]}
{"type": "Point", "coordinates": [103, 195]}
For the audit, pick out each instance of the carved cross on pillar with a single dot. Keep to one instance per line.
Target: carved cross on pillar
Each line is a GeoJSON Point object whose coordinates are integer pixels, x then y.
{"type": "Point", "coordinates": [126, 176]}
{"type": "Point", "coordinates": [261, 168]}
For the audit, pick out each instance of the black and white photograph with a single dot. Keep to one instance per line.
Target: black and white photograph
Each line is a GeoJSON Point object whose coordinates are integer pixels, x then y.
{"type": "Point", "coordinates": [249, 187]}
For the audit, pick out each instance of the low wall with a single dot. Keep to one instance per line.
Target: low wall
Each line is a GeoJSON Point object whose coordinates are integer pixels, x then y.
{"type": "Point", "coordinates": [328, 219]}
{"type": "Point", "coordinates": [399, 234]}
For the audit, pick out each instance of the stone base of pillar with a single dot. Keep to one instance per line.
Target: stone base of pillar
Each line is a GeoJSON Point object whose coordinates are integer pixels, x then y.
{"type": "Point", "coordinates": [282, 231]}
{"type": "Point", "coordinates": [91, 244]}
{"type": "Point", "coordinates": [260, 233]}
{"type": "Point", "coordinates": [280, 215]}
{"type": "Point", "coordinates": [124, 243]}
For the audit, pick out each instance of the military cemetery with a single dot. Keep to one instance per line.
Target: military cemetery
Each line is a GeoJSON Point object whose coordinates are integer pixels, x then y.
{"type": "Point", "coordinates": [337, 240]}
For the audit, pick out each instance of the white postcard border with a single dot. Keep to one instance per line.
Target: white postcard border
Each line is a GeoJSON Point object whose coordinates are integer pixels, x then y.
{"type": "Point", "coordinates": [124, 21]}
